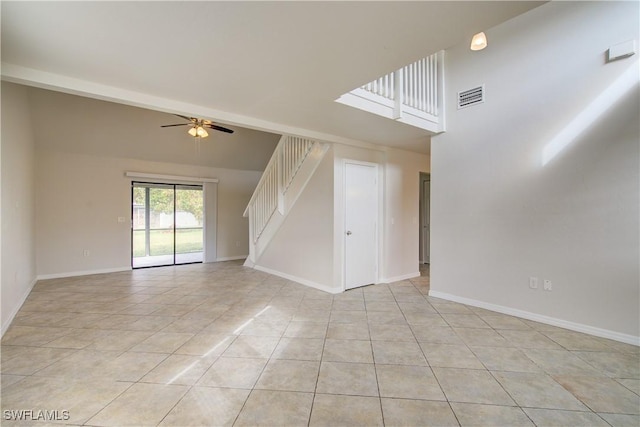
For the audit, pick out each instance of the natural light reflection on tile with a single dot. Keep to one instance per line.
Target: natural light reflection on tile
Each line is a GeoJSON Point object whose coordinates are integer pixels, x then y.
{"type": "Point", "coordinates": [235, 346]}
{"type": "Point", "coordinates": [237, 331]}
{"type": "Point", "coordinates": [181, 373]}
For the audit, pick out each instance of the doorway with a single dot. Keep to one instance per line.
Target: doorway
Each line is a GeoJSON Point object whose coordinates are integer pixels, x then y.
{"type": "Point", "coordinates": [167, 224]}
{"type": "Point", "coordinates": [361, 224]}
{"type": "Point", "coordinates": [425, 218]}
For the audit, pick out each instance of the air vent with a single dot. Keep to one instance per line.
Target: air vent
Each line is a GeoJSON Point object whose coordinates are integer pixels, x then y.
{"type": "Point", "coordinates": [470, 97]}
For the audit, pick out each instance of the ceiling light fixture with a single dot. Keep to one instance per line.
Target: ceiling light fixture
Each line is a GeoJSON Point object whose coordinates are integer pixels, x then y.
{"type": "Point", "coordinates": [201, 132]}
{"type": "Point", "coordinates": [479, 41]}
{"type": "Point", "coordinates": [198, 132]}
{"type": "Point", "coordinates": [198, 127]}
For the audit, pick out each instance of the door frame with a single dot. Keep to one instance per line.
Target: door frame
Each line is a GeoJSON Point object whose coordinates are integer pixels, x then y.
{"type": "Point", "coordinates": [147, 185]}
{"type": "Point", "coordinates": [343, 243]}
{"type": "Point", "coordinates": [424, 177]}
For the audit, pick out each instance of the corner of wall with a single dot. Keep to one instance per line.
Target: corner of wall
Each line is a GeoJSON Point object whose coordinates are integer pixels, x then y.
{"type": "Point", "coordinates": [17, 168]}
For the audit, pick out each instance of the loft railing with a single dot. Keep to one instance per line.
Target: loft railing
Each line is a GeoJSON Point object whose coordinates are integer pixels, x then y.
{"type": "Point", "coordinates": [276, 179]}
{"type": "Point", "coordinates": [412, 94]}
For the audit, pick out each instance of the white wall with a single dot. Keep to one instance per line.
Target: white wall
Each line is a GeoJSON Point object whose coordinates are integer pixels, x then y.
{"type": "Point", "coordinates": [18, 238]}
{"type": "Point", "coordinates": [76, 124]}
{"type": "Point", "coordinates": [80, 197]}
{"type": "Point", "coordinates": [303, 246]}
{"type": "Point", "coordinates": [499, 216]}
{"type": "Point", "coordinates": [83, 148]}
{"type": "Point", "coordinates": [402, 212]}
{"type": "Point", "coordinates": [309, 247]}
{"type": "Point", "coordinates": [399, 194]}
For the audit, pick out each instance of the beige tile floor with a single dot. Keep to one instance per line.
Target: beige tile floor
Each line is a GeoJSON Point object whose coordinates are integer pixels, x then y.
{"type": "Point", "coordinates": [219, 344]}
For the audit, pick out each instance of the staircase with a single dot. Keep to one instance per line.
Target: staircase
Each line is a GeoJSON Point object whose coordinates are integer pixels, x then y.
{"type": "Point", "coordinates": [291, 166]}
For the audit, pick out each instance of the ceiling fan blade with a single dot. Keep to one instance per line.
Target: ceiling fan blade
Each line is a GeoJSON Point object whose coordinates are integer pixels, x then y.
{"type": "Point", "coordinates": [220, 128]}
{"type": "Point", "coordinates": [190, 119]}
{"type": "Point", "coordinates": [179, 124]}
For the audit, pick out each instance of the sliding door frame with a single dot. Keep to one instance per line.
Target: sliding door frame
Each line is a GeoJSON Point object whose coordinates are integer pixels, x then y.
{"type": "Point", "coordinates": [147, 186]}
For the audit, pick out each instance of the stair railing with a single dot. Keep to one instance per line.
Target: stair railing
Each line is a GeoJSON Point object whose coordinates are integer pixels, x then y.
{"type": "Point", "coordinates": [275, 181]}
{"type": "Point", "coordinates": [413, 94]}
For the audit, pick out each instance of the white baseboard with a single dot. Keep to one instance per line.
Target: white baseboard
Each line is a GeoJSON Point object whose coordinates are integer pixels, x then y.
{"type": "Point", "coordinates": [82, 273]}
{"type": "Point", "coordinates": [399, 278]}
{"type": "Point", "coordinates": [5, 325]}
{"type": "Point", "coordinates": [231, 258]}
{"type": "Point", "coordinates": [298, 279]}
{"type": "Point", "coordinates": [578, 327]}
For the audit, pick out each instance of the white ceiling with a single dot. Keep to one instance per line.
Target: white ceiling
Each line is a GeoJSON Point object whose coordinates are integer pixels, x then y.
{"type": "Point", "coordinates": [275, 66]}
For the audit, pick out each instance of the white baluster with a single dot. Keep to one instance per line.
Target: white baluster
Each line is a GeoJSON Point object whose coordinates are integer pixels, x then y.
{"type": "Point", "coordinates": [427, 84]}
{"type": "Point", "coordinates": [425, 73]}
{"type": "Point", "coordinates": [415, 85]}
{"type": "Point", "coordinates": [435, 85]}
{"type": "Point", "coordinates": [421, 85]}
{"type": "Point", "coordinates": [414, 90]}
{"type": "Point", "coordinates": [392, 86]}
{"type": "Point", "coordinates": [410, 86]}
{"type": "Point", "coordinates": [434, 82]}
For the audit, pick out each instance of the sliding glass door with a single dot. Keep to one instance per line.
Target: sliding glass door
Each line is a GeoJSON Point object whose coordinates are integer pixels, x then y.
{"type": "Point", "coordinates": [189, 220]}
{"type": "Point", "coordinates": [167, 224]}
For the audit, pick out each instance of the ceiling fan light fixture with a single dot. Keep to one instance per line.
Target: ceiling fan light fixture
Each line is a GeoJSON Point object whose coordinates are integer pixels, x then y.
{"type": "Point", "coordinates": [198, 127]}
{"type": "Point", "coordinates": [201, 132]}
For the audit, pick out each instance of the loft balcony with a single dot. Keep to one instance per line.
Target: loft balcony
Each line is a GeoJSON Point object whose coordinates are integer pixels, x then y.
{"type": "Point", "coordinates": [411, 95]}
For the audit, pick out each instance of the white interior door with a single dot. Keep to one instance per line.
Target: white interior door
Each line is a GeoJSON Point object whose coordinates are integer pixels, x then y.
{"type": "Point", "coordinates": [361, 228]}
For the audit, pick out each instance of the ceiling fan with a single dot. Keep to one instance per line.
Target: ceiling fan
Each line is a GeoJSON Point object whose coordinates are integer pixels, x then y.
{"type": "Point", "coordinates": [199, 126]}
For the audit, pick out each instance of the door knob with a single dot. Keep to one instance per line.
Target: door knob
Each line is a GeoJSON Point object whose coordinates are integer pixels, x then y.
{"type": "Point", "coordinates": [348, 233]}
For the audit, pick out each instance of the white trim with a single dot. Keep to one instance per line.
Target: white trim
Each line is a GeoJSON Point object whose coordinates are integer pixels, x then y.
{"type": "Point", "coordinates": [232, 258]}
{"type": "Point", "coordinates": [17, 308]}
{"type": "Point", "coordinates": [399, 278]}
{"type": "Point", "coordinates": [578, 327]}
{"type": "Point", "coordinates": [82, 273]}
{"type": "Point", "coordinates": [298, 279]}
{"type": "Point", "coordinates": [170, 177]}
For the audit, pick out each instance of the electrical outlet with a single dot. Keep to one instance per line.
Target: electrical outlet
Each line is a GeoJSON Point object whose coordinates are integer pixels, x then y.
{"type": "Point", "coordinates": [533, 282]}
{"type": "Point", "coordinates": [85, 252]}
{"type": "Point", "coordinates": [547, 285]}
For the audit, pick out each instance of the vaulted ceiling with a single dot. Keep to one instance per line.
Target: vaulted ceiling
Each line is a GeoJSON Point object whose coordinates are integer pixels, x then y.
{"type": "Point", "coordinates": [275, 66]}
{"type": "Point", "coordinates": [76, 124]}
